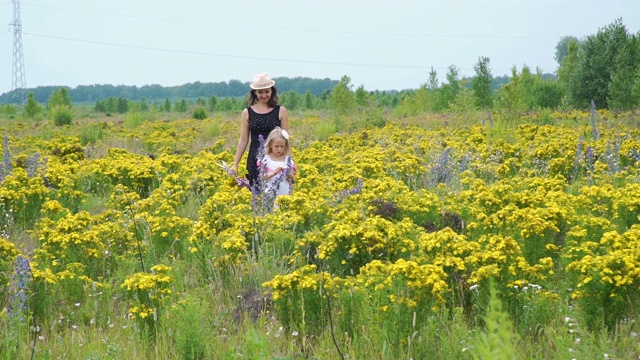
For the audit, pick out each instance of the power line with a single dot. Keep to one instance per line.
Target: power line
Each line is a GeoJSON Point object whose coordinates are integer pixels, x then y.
{"type": "Point", "coordinates": [356, 33]}
{"type": "Point", "coordinates": [459, 2]}
{"type": "Point", "coordinates": [228, 55]}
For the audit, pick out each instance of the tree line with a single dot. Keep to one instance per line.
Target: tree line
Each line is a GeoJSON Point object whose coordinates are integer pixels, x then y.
{"type": "Point", "coordinates": [601, 69]}
{"type": "Point", "coordinates": [232, 88]}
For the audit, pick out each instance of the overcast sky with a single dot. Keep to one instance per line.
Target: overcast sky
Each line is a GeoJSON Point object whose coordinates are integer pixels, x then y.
{"type": "Point", "coordinates": [380, 44]}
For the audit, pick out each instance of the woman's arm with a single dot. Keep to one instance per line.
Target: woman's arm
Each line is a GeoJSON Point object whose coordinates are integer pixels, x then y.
{"type": "Point", "coordinates": [284, 118]}
{"type": "Point", "coordinates": [244, 139]}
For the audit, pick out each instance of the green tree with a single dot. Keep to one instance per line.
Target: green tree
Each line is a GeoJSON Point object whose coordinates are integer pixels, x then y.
{"type": "Point", "coordinates": [238, 104]}
{"type": "Point", "coordinates": [562, 48]}
{"type": "Point", "coordinates": [59, 97]}
{"type": "Point", "coordinates": [181, 106]}
{"type": "Point", "coordinates": [510, 96]}
{"type": "Point", "coordinates": [166, 107]}
{"type": "Point", "coordinates": [435, 92]}
{"type": "Point", "coordinates": [623, 79]}
{"type": "Point", "coordinates": [60, 108]}
{"type": "Point", "coordinates": [308, 100]}
{"type": "Point", "coordinates": [143, 104]}
{"type": "Point", "coordinates": [212, 102]}
{"type": "Point", "coordinates": [569, 68]}
{"type": "Point", "coordinates": [481, 83]}
{"type": "Point", "coordinates": [449, 91]}
{"type": "Point", "coordinates": [636, 86]}
{"type": "Point", "coordinates": [597, 64]}
{"type": "Point", "coordinates": [32, 108]}
{"type": "Point", "coordinates": [64, 95]}
{"type": "Point", "coordinates": [361, 97]}
{"type": "Point", "coordinates": [290, 100]}
{"type": "Point", "coordinates": [433, 84]}
{"type": "Point", "coordinates": [465, 102]}
{"type": "Point", "coordinates": [415, 103]}
{"type": "Point", "coordinates": [99, 106]}
{"type": "Point", "coordinates": [123, 106]}
{"type": "Point", "coordinates": [548, 94]}
{"type": "Point", "coordinates": [225, 105]}
{"type": "Point", "coordinates": [342, 99]}
{"type": "Point", "coordinates": [527, 87]}
{"type": "Point", "coordinates": [111, 104]}
{"type": "Point", "coordinates": [8, 109]}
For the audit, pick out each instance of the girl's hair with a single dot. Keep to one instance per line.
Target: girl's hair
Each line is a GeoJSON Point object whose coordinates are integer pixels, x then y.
{"type": "Point", "coordinates": [274, 134]}
{"type": "Point", "coordinates": [252, 98]}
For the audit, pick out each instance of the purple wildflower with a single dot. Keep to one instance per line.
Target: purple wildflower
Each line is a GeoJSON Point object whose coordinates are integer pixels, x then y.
{"type": "Point", "coordinates": [339, 197]}
{"type": "Point", "coordinates": [5, 167]}
{"type": "Point", "coordinates": [20, 287]}
{"type": "Point", "coordinates": [594, 128]}
{"type": "Point", "coordinates": [442, 172]}
{"type": "Point", "coordinates": [590, 158]}
{"type": "Point", "coordinates": [577, 159]}
{"type": "Point", "coordinates": [242, 182]}
{"type": "Point", "coordinates": [635, 155]}
{"type": "Point", "coordinates": [32, 164]}
{"type": "Point", "coordinates": [612, 156]}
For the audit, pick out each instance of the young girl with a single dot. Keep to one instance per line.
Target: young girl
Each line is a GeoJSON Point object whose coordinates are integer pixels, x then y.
{"type": "Point", "coordinates": [278, 165]}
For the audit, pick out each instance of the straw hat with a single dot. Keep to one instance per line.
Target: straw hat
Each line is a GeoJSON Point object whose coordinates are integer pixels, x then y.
{"type": "Point", "coordinates": [261, 81]}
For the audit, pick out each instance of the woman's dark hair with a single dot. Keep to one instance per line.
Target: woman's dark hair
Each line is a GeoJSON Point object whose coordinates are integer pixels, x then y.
{"type": "Point", "coordinates": [252, 98]}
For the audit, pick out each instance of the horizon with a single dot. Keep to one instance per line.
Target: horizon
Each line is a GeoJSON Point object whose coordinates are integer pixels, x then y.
{"type": "Point", "coordinates": [379, 45]}
{"type": "Point", "coordinates": [227, 82]}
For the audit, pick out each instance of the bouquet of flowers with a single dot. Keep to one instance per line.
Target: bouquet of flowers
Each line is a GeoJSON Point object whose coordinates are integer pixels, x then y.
{"type": "Point", "coordinates": [241, 181]}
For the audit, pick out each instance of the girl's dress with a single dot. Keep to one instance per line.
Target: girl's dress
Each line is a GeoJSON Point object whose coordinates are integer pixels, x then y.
{"type": "Point", "coordinates": [279, 181]}
{"type": "Point", "coordinates": [259, 124]}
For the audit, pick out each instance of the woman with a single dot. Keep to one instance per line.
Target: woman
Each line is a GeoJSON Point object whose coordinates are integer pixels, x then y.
{"type": "Point", "coordinates": [262, 115]}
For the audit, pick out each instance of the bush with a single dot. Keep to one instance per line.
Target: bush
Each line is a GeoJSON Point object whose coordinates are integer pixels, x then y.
{"type": "Point", "coordinates": [375, 118]}
{"type": "Point", "coordinates": [212, 130]}
{"type": "Point", "coordinates": [545, 117]}
{"type": "Point", "coordinates": [62, 115]}
{"type": "Point", "coordinates": [9, 109]}
{"type": "Point", "coordinates": [200, 113]}
{"type": "Point", "coordinates": [133, 120]}
{"type": "Point", "coordinates": [91, 134]}
{"type": "Point", "coordinates": [325, 129]}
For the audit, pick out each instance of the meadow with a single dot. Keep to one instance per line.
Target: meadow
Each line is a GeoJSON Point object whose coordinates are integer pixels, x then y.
{"type": "Point", "coordinates": [437, 236]}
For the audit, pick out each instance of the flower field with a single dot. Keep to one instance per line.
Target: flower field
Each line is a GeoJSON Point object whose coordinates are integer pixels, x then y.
{"type": "Point", "coordinates": [422, 239]}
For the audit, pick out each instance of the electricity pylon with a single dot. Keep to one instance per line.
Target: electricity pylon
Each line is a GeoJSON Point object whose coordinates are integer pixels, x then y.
{"type": "Point", "coordinates": [18, 80]}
